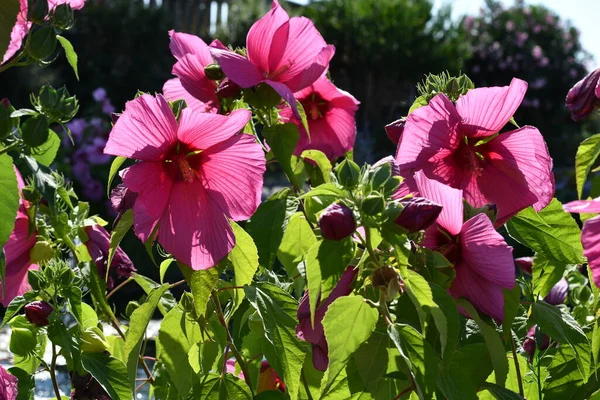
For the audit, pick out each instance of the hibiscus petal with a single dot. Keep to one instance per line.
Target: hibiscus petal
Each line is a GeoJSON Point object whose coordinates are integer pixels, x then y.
{"type": "Point", "coordinates": [174, 90]}
{"type": "Point", "coordinates": [16, 284]}
{"type": "Point", "coordinates": [237, 68]}
{"type": "Point", "coordinates": [232, 173]}
{"type": "Point", "coordinates": [19, 244]}
{"type": "Point", "coordinates": [287, 95]}
{"type": "Point", "coordinates": [152, 183]}
{"type": "Point", "coordinates": [194, 229]}
{"type": "Point", "coordinates": [485, 111]}
{"type": "Point", "coordinates": [486, 252]}
{"type": "Point", "coordinates": [297, 79]}
{"type": "Point", "coordinates": [145, 131]}
{"type": "Point", "coordinates": [143, 222]}
{"type": "Point", "coordinates": [202, 130]}
{"type": "Point", "coordinates": [519, 162]}
{"type": "Point", "coordinates": [190, 70]}
{"type": "Point", "coordinates": [18, 33]}
{"type": "Point", "coordinates": [451, 217]}
{"type": "Point", "coordinates": [583, 206]}
{"type": "Point", "coordinates": [184, 43]}
{"type": "Point", "coordinates": [590, 238]}
{"type": "Point", "coordinates": [430, 136]}
{"type": "Point", "coordinates": [265, 36]}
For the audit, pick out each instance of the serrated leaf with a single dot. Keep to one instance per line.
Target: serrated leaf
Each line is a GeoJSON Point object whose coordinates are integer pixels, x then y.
{"type": "Point", "coordinates": [546, 274]}
{"type": "Point", "coordinates": [551, 233]}
{"type": "Point", "coordinates": [372, 356]}
{"type": "Point", "coordinates": [202, 283]}
{"type": "Point", "coordinates": [501, 393]}
{"type": "Point", "coordinates": [69, 53]}
{"type": "Point", "coordinates": [224, 388]}
{"type": "Point", "coordinates": [110, 373]}
{"type": "Point", "coordinates": [587, 154]}
{"type": "Point", "coordinates": [348, 322]}
{"type": "Point", "coordinates": [167, 301]}
{"type": "Point", "coordinates": [327, 189]}
{"type": "Point", "coordinates": [297, 239]}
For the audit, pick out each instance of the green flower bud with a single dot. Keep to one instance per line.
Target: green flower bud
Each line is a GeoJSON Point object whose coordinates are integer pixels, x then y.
{"type": "Point", "coordinates": [42, 43]}
{"type": "Point", "coordinates": [381, 175]}
{"type": "Point", "coordinates": [214, 72]}
{"type": "Point", "coordinates": [41, 251]}
{"type": "Point", "coordinates": [37, 10]}
{"type": "Point", "coordinates": [63, 16]}
{"type": "Point", "coordinates": [48, 97]}
{"type": "Point", "coordinates": [67, 276]}
{"type": "Point", "coordinates": [373, 204]}
{"type": "Point", "coordinates": [35, 130]}
{"type": "Point", "coordinates": [93, 341]}
{"type": "Point", "coordinates": [36, 279]}
{"type": "Point", "coordinates": [392, 185]}
{"type": "Point", "coordinates": [348, 173]}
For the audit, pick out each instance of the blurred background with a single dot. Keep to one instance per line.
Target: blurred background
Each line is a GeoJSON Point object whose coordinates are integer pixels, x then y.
{"type": "Point", "coordinates": [384, 47]}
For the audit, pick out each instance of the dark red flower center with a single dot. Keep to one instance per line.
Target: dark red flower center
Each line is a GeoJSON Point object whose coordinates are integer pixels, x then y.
{"type": "Point", "coordinates": [315, 106]}
{"type": "Point", "coordinates": [471, 156]}
{"type": "Point", "coordinates": [183, 163]}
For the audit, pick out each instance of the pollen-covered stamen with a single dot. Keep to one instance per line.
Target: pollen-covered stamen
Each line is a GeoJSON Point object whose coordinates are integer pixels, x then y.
{"type": "Point", "coordinates": [314, 106]}
{"type": "Point", "coordinates": [186, 172]}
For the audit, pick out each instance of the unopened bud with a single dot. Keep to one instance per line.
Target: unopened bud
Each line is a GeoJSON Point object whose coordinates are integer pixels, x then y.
{"type": "Point", "coordinates": [37, 312]}
{"type": "Point", "coordinates": [373, 204]}
{"type": "Point", "coordinates": [558, 293]}
{"type": "Point", "coordinates": [93, 341]}
{"type": "Point", "coordinates": [122, 199]}
{"type": "Point", "coordinates": [525, 264]}
{"type": "Point", "coordinates": [35, 130]}
{"type": "Point", "coordinates": [42, 43]}
{"type": "Point", "coordinates": [41, 251]}
{"type": "Point", "coordinates": [63, 16]}
{"type": "Point", "coordinates": [348, 173]}
{"type": "Point", "coordinates": [418, 214]}
{"type": "Point", "coordinates": [388, 281]}
{"type": "Point", "coordinates": [37, 10]}
{"type": "Point", "coordinates": [584, 97]}
{"type": "Point", "coordinates": [395, 129]}
{"type": "Point", "coordinates": [337, 222]}
{"type": "Point", "coordinates": [214, 72]}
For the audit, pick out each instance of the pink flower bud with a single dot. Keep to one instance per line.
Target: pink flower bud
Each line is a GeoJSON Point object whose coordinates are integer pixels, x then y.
{"type": "Point", "coordinates": [583, 97]}
{"type": "Point", "coordinates": [337, 222]}
{"type": "Point", "coordinates": [558, 293]}
{"type": "Point", "coordinates": [419, 213]}
{"type": "Point", "coordinates": [524, 264]}
{"type": "Point", "coordinates": [122, 199]}
{"type": "Point", "coordinates": [394, 130]}
{"type": "Point", "coordinates": [37, 312]}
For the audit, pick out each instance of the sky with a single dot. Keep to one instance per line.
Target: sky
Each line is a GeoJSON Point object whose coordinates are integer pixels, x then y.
{"type": "Point", "coordinates": [583, 14]}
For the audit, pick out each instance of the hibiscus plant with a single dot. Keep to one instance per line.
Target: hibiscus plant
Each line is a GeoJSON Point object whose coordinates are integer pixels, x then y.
{"type": "Point", "coordinates": [396, 280]}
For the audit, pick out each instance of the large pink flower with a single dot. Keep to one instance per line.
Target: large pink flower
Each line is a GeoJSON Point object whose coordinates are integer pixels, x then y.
{"type": "Point", "coordinates": [330, 112]}
{"type": "Point", "coordinates": [193, 176]}
{"type": "Point", "coordinates": [191, 84]}
{"type": "Point", "coordinates": [460, 145]}
{"type": "Point", "coordinates": [482, 260]}
{"type": "Point", "coordinates": [17, 250]}
{"type": "Point", "coordinates": [288, 54]}
{"type": "Point", "coordinates": [18, 33]}
{"type": "Point", "coordinates": [8, 385]}
{"type": "Point", "coordinates": [590, 234]}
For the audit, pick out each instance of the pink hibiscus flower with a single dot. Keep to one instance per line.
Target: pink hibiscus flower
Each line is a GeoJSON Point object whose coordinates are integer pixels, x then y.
{"type": "Point", "coordinates": [590, 234]}
{"type": "Point", "coordinates": [191, 84]}
{"type": "Point", "coordinates": [460, 145]}
{"type": "Point", "coordinates": [330, 112]}
{"type": "Point", "coordinates": [18, 33]}
{"type": "Point", "coordinates": [288, 54]}
{"type": "Point", "coordinates": [193, 176]}
{"type": "Point", "coordinates": [482, 260]}
{"type": "Point", "coordinates": [17, 250]}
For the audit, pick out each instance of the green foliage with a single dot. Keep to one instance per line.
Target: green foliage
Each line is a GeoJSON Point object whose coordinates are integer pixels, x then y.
{"type": "Point", "coordinates": [9, 202]}
{"type": "Point", "coordinates": [69, 53]}
{"type": "Point", "coordinates": [587, 154]}
{"type": "Point", "coordinates": [109, 372]}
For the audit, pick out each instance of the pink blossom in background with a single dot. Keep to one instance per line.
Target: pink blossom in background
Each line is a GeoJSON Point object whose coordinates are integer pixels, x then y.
{"type": "Point", "coordinates": [288, 54]}
{"type": "Point", "coordinates": [8, 385]}
{"type": "Point", "coordinates": [330, 113]}
{"type": "Point", "coordinates": [18, 33]}
{"type": "Point", "coordinates": [191, 84]}
{"type": "Point", "coordinates": [590, 234]}
{"type": "Point", "coordinates": [315, 334]}
{"type": "Point", "coordinates": [443, 140]}
{"type": "Point", "coordinates": [17, 250]}
{"type": "Point", "coordinates": [482, 260]}
{"type": "Point", "coordinates": [193, 175]}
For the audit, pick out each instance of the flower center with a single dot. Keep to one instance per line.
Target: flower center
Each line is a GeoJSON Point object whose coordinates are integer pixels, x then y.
{"type": "Point", "coordinates": [186, 173]}
{"type": "Point", "coordinates": [448, 245]}
{"type": "Point", "coordinates": [183, 163]}
{"type": "Point", "coordinates": [472, 160]}
{"type": "Point", "coordinates": [315, 106]}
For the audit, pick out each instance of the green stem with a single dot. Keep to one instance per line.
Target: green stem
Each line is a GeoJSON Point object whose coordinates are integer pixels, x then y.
{"type": "Point", "coordinates": [9, 148]}
{"type": "Point", "coordinates": [516, 361]}
{"type": "Point", "coordinates": [125, 282]}
{"type": "Point", "coordinates": [306, 385]}
{"type": "Point", "coordinates": [234, 350]}
{"type": "Point", "coordinates": [53, 373]}
{"type": "Point", "coordinates": [13, 62]}
{"type": "Point", "coordinates": [367, 244]}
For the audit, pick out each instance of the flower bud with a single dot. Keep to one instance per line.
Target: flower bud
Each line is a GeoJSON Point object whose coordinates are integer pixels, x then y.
{"type": "Point", "coordinates": [36, 279]}
{"type": "Point", "coordinates": [348, 173]}
{"type": "Point", "coordinates": [268, 379]}
{"type": "Point", "coordinates": [48, 97]}
{"type": "Point", "coordinates": [533, 340]}
{"type": "Point", "coordinates": [42, 43]}
{"type": "Point", "coordinates": [584, 96]}
{"type": "Point", "coordinates": [373, 204]}
{"type": "Point", "coordinates": [228, 89]}
{"type": "Point", "coordinates": [122, 199]}
{"type": "Point", "coordinates": [23, 336]}
{"type": "Point", "coordinates": [337, 222]}
{"type": "Point", "coordinates": [388, 281]}
{"type": "Point", "coordinates": [93, 341]}
{"type": "Point", "coordinates": [37, 10]}
{"type": "Point", "coordinates": [37, 312]}
{"type": "Point", "coordinates": [558, 293]}
{"type": "Point", "coordinates": [34, 131]}
{"type": "Point", "coordinates": [525, 264]}
{"type": "Point", "coordinates": [63, 16]}
{"type": "Point", "coordinates": [214, 72]}
{"type": "Point", "coordinates": [394, 130]}
{"type": "Point", "coordinates": [418, 214]}
{"type": "Point", "coordinates": [40, 252]}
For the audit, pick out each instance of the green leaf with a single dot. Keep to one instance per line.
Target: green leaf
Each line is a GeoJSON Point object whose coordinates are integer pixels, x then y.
{"type": "Point", "coordinates": [561, 327]}
{"type": "Point", "coordinates": [9, 201]}
{"type": "Point", "coordinates": [167, 301]}
{"type": "Point", "coordinates": [501, 393]}
{"type": "Point", "coordinates": [596, 342]}
{"type": "Point", "coordinates": [178, 333]}
{"type": "Point", "coordinates": [420, 294]}
{"type": "Point", "coordinates": [587, 154]}
{"type": "Point", "coordinates": [348, 322]}
{"type": "Point", "coordinates": [492, 340]}
{"type": "Point", "coordinates": [123, 226]}
{"type": "Point", "coordinates": [552, 233]}
{"type": "Point", "coordinates": [16, 305]}
{"type": "Point", "coordinates": [69, 53]}
{"type": "Point", "coordinates": [110, 373]}
{"type": "Point", "coordinates": [297, 240]}
{"type": "Point", "coordinates": [164, 266]}
{"type": "Point", "coordinates": [202, 283]}
{"type": "Point", "coordinates": [137, 330]}
{"type": "Point", "coordinates": [445, 305]}
{"type": "Point", "coordinates": [327, 189]}
{"type": "Point", "coordinates": [9, 9]}
{"type": "Point", "coordinates": [114, 168]}
{"type": "Point", "coordinates": [97, 288]}
{"type": "Point", "coordinates": [268, 224]}
{"type": "Point", "coordinates": [284, 351]}
{"type": "Point", "coordinates": [419, 102]}
{"type": "Point", "coordinates": [244, 258]}
{"type": "Point", "coordinates": [511, 306]}
{"type": "Point", "coordinates": [546, 274]}
{"type": "Point", "coordinates": [322, 162]}
{"type": "Point", "coordinates": [303, 118]}
{"type": "Point", "coordinates": [419, 355]}
{"type": "Point", "coordinates": [282, 139]}
{"type": "Point", "coordinates": [224, 388]}
{"type": "Point", "coordinates": [46, 153]}
{"type": "Point", "coordinates": [372, 356]}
